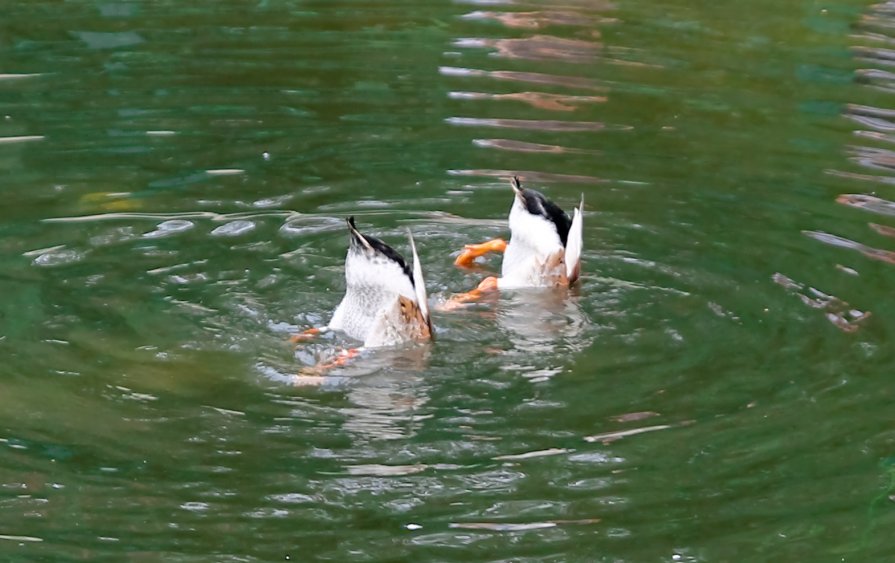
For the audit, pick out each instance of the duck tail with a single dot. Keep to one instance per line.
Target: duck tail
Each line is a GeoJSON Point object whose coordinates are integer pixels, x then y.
{"type": "Point", "coordinates": [419, 284]}
{"type": "Point", "coordinates": [355, 234]}
{"type": "Point", "coordinates": [574, 244]}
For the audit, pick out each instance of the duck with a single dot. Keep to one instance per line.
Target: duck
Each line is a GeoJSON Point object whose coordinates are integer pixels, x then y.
{"type": "Point", "coordinates": [385, 301]}
{"type": "Point", "coordinates": [544, 249]}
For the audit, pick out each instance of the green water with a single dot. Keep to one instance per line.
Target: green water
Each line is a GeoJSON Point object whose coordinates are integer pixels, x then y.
{"type": "Point", "coordinates": [175, 177]}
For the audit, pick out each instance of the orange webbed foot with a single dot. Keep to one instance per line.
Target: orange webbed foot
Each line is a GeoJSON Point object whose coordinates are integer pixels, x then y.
{"type": "Point", "coordinates": [342, 358]}
{"type": "Point", "coordinates": [320, 370]}
{"type": "Point", "coordinates": [305, 335]}
{"type": "Point", "coordinates": [487, 285]}
{"type": "Point", "coordinates": [472, 251]}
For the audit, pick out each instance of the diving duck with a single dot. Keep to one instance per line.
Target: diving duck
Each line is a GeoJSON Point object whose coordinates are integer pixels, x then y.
{"type": "Point", "coordinates": [385, 300]}
{"type": "Point", "coordinates": [544, 249]}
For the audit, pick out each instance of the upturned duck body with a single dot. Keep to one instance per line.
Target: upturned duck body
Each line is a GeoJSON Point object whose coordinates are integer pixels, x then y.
{"type": "Point", "coordinates": [385, 300]}
{"type": "Point", "coordinates": [544, 248]}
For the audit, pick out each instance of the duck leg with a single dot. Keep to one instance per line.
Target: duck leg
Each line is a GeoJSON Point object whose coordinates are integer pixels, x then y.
{"type": "Point", "coordinates": [472, 251]}
{"type": "Point", "coordinates": [317, 374]}
{"type": "Point", "coordinates": [306, 335]}
{"type": "Point", "coordinates": [342, 358]}
{"type": "Point", "coordinates": [488, 284]}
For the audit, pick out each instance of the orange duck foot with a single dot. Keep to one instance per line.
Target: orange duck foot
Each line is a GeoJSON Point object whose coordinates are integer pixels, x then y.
{"type": "Point", "coordinates": [304, 335]}
{"type": "Point", "coordinates": [472, 251]}
{"type": "Point", "coordinates": [488, 284]}
{"type": "Point", "coordinates": [319, 370]}
{"type": "Point", "coordinates": [340, 360]}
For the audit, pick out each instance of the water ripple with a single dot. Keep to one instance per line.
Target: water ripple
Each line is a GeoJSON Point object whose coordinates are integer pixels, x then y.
{"type": "Point", "coordinates": [529, 77]}
{"type": "Point", "coordinates": [530, 175]}
{"type": "Point", "coordinates": [534, 124]}
{"type": "Point", "coordinates": [869, 203]}
{"type": "Point", "coordinates": [233, 229]}
{"type": "Point", "coordinates": [538, 19]}
{"type": "Point", "coordinates": [523, 146]}
{"type": "Point", "coordinates": [842, 315]}
{"type": "Point", "coordinates": [540, 100]}
{"type": "Point", "coordinates": [21, 139]}
{"type": "Point", "coordinates": [169, 228]}
{"type": "Point", "coordinates": [537, 48]}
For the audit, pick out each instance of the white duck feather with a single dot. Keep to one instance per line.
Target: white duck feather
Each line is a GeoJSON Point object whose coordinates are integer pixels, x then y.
{"type": "Point", "coordinates": [385, 300]}
{"type": "Point", "coordinates": [545, 245]}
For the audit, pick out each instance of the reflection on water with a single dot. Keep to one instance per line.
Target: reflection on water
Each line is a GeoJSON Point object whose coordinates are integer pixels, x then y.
{"type": "Point", "coordinates": [522, 146]}
{"type": "Point", "coordinates": [542, 124]}
{"type": "Point", "coordinates": [530, 176]}
{"type": "Point", "coordinates": [540, 19]}
{"type": "Point", "coordinates": [542, 324]}
{"type": "Point", "coordinates": [838, 312]}
{"type": "Point", "coordinates": [542, 100]}
{"type": "Point", "coordinates": [538, 48]}
{"type": "Point", "coordinates": [526, 77]}
{"type": "Point", "coordinates": [877, 162]}
{"type": "Point", "coordinates": [386, 406]}
{"type": "Point", "coordinates": [576, 91]}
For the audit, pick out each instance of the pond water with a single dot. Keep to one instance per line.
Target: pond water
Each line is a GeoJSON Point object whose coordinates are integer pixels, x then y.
{"type": "Point", "coordinates": [175, 181]}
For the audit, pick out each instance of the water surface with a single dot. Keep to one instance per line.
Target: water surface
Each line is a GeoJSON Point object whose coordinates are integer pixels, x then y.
{"type": "Point", "coordinates": [175, 183]}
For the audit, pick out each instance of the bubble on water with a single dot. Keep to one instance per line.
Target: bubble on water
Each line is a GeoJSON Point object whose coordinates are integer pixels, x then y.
{"type": "Point", "coordinates": [113, 236]}
{"type": "Point", "coordinates": [268, 513]}
{"type": "Point", "coordinates": [58, 257]}
{"type": "Point", "coordinates": [187, 279]}
{"type": "Point", "coordinates": [303, 226]}
{"type": "Point", "coordinates": [168, 228]}
{"type": "Point", "coordinates": [278, 201]}
{"type": "Point", "coordinates": [292, 498]}
{"type": "Point", "coordinates": [233, 229]}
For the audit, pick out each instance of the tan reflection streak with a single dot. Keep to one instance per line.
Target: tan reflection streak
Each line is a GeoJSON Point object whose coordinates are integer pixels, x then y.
{"type": "Point", "coordinates": [862, 177]}
{"type": "Point", "coordinates": [856, 109]}
{"type": "Point", "coordinates": [529, 176]}
{"type": "Point", "coordinates": [883, 230]}
{"type": "Point", "coordinates": [539, 48]}
{"type": "Point", "coordinates": [868, 74]}
{"type": "Point", "coordinates": [877, 123]}
{"type": "Point", "coordinates": [535, 124]}
{"type": "Point", "coordinates": [842, 242]}
{"type": "Point", "coordinates": [531, 77]}
{"type": "Point", "coordinates": [874, 157]}
{"type": "Point", "coordinates": [876, 21]}
{"type": "Point", "coordinates": [871, 36]}
{"type": "Point", "coordinates": [553, 102]}
{"type": "Point", "coordinates": [380, 470]}
{"type": "Point", "coordinates": [876, 136]}
{"type": "Point", "coordinates": [21, 139]}
{"type": "Point", "coordinates": [609, 437]}
{"type": "Point", "coordinates": [876, 54]}
{"type": "Point", "coordinates": [869, 116]}
{"type": "Point", "coordinates": [537, 20]}
{"type": "Point", "coordinates": [17, 76]}
{"type": "Point", "coordinates": [516, 527]}
{"type": "Point", "coordinates": [522, 146]}
{"type": "Point", "coordinates": [837, 311]}
{"type": "Point", "coordinates": [868, 203]}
